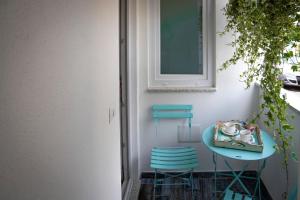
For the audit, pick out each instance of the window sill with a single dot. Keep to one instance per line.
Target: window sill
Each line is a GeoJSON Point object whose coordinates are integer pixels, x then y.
{"type": "Point", "coordinates": [182, 89]}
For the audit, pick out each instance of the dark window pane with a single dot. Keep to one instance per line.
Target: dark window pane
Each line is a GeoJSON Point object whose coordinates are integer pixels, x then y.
{"type": "Point", "coordinates": [181, 36]}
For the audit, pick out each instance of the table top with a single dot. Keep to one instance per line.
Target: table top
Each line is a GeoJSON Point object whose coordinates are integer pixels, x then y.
{"type": "Point", "coordinates": [268, 150]}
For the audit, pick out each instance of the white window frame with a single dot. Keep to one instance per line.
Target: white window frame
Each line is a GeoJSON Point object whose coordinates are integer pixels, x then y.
{"type": "Point", "coordinates": [201, 82]}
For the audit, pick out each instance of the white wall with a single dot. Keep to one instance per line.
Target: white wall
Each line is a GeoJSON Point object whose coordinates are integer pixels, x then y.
{"type": "Point", "coordinates": [59, 69]}
{"type": "Point", "coordinates": [230, 101]}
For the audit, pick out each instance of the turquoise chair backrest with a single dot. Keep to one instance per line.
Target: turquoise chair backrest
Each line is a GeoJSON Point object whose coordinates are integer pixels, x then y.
{"type": "Point", "coordinates": [169, 111]}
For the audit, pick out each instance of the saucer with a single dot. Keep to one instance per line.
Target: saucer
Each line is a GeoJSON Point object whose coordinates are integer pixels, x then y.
{"type": "Point", "coordinates": [229, 129]}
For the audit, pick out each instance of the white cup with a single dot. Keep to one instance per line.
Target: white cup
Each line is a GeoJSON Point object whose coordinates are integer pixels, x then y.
{"type": "Point", "coordinates": [230, 129]}
{"type": "Point", "coordinates": [245, 132]}
{"type": "Point", "coordinates": [246, 138]}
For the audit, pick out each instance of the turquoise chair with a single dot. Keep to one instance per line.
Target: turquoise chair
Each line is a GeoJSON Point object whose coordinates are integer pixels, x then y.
{"type": "Point", "coordinates": [165, 160]}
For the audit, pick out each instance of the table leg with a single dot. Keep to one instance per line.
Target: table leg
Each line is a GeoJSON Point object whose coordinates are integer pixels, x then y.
{"type": "Point", "coordinates": [259, 172]}
{"type": "Point", "coordinates": [215, 173]}
{"type": "Point", "coordinates": [237, 177]}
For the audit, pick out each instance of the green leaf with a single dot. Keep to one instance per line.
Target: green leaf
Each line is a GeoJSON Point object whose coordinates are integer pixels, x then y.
{"type": "Point", "coordinates": [287, 127]}
{"type": "Point", "coordinates": [295, 68]}
{"type": "Point", "coordinates": [294, 156]}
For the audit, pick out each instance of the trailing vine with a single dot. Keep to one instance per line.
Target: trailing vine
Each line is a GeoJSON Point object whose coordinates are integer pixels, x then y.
{"type": "Point", "coordinates": [267, 34]}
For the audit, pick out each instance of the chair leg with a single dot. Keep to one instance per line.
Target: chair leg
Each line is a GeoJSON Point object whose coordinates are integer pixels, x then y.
{"type": "Point", "coordinates": [184, 189]}
{"type": "Point", "coordinates": [154, 185]}
{"type": "Point", "coordinates": [192, 184]}
{"type": "Point", "coordinates": [187, 183]}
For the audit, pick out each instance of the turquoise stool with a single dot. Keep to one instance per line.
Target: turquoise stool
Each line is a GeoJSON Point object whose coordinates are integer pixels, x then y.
{"type": "Point", "coordinates": [294, 193]}
{"type": "Point", "coordinates": [230, 195]}
{"type": "Point", "coordinates": [165, 160]}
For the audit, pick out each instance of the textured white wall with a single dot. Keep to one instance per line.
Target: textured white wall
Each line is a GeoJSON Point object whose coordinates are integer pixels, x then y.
{"type": "Point", "coordinates": [59, 69]}
{"type": "Point", "coordinates": [230, 101]}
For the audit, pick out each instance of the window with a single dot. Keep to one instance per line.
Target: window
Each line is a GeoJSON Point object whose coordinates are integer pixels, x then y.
{"type": "Point", "coordinates": [181, 37]}
{"type": "Point", "coordinates": [181, 45]}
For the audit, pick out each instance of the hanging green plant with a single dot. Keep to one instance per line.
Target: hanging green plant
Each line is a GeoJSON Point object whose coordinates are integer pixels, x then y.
{"type": "Point", "coordinates": [267, 33]}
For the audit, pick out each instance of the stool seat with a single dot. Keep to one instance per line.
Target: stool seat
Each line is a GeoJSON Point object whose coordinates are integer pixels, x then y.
{"type": "Point", "coordinates": [230, 195]}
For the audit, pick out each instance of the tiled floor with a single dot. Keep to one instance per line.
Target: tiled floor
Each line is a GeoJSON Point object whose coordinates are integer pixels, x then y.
{"type": "Point", "coordinates": [204, 187]}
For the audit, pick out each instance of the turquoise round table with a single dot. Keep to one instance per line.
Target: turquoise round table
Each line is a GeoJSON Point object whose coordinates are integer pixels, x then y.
{"type": "Point", "coordinates": [247, 156]}
{"type": "Point", "coordinates": [268, 149]}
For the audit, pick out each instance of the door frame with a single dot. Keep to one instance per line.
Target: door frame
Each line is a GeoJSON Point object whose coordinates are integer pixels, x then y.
{"type": "Point", "coordinates": [133, 184]}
